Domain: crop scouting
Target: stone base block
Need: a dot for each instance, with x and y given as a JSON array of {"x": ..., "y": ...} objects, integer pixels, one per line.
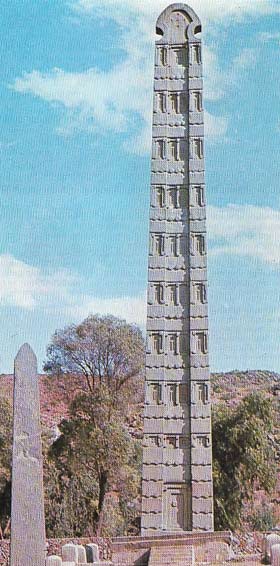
[{"x": 207, "y": 548}]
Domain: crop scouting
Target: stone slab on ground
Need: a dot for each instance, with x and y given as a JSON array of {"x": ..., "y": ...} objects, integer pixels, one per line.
[
  {"x": 275, "y": 555},
  {"x": 181, "y": 556},
  {"x": 70, "y": 553},
  {"x": 92, "y": 552}
]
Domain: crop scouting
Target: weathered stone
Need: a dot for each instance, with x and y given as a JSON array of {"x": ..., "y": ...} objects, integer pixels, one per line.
[
  {"x": 202, "y": 473},
  {"x": 70, "y": 552},
  {"x": 275, "y": 554},
  {"x": 202, "y": 489},
  {"x": 202, "y": 505},
  {"x": 202, "y": 521},
  {"x": 28, "y": 544},
  {"x": 271, "y": 539},
  {"x": 151, "y": 488},
  {"x": 151, "y": 505},
  {"x": 177, "y": 423},
  {"x": 152, "y": 520},
  {"x": 54, "y": 561},
  {"x": 92, "y": 552},
  {"x": 81, "y": 553}
]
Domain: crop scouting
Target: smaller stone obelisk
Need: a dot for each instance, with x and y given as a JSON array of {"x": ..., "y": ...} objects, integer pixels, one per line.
[{"x": 28, "y": 542}]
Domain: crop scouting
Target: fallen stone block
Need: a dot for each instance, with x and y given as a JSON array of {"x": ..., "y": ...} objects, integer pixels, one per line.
[
  {"x": 92, "y": 553},
  {"x": 270, "y": 539},
  {"x": 82, "y": 558},
  {"x": 275, "y": 555},
  {"x": 70, "y": 553}
]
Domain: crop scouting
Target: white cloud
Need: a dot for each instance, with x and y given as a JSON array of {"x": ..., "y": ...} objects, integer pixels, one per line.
[
  {"x": 267, "y": 36},
  {"x": 215, "y": 127},
  {"x": 96, "y": 100},
  {"x": 220, "y": 10},
  {"x": 28, "y": 287},
  {"x": 247, "y": 230},
  {"x": 246, "y": 59},
  {"x": 132, "y": 309}
]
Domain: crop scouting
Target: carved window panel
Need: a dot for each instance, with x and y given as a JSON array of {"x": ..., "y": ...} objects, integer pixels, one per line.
[
  {"x": 158, "y": 241},
  {"x": 153, "y": 441},
  {"x": 179, "y": 56},
  {"x": 159, "y": 149},
  {"x": 183, "y": 394},
  {"x": 174, "y": 103},
  {"x": 157, "y": 342},
  {"x": 197, "y": 148},
  {"x": 196, "y": 54},
  {"x": 174, "y": 343},
  {"x": 183, "y": 442},
  {"x": 198, "y": 241},
  {"x": 199, "y": 293},
  {"x": 173, "y": 294},
  {"x": 155, "y": 393},
  {"x": 171, "y": 441},
  {"x": 160, "y": 196},
  {"x": 172, "y": 393},
  {"x": 161, "y": 102},
  {"x": 203, "y": 393},
  {"x": 197, "y": 101},
  {"x": 173, "y": 197},
  {"x": 199, "y": 199},
  {"x": 161, "y": 56},
  {"x": 202, "y": 441},
  {"x": 174, "y": 149},
  {"x": 159, "y": 294},
  {"x": 174, "y": 245},
  {"x": 201, "y": 346}
]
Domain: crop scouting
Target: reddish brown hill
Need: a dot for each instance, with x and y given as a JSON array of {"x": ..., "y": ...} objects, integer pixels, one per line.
[{"x": 55, "y": 395}]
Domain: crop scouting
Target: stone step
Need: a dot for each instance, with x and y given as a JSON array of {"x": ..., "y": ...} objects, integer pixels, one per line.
[{"x": 170, "y": 556}]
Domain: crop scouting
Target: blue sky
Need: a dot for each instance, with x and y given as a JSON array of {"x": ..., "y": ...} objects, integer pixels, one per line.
[{"x": 75, "y": 135}]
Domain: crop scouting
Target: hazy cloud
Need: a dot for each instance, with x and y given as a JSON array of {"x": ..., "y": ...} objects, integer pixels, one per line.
[
  {"x": 245, "y": 230},
  {"x": 103, "y": 101}
]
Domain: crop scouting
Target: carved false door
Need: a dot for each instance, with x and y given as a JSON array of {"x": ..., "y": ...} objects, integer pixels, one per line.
[{"x": 177, "y": 508}]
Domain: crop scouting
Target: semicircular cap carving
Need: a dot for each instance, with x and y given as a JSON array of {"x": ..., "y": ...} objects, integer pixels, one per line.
[{"x": 177, "y": 24}]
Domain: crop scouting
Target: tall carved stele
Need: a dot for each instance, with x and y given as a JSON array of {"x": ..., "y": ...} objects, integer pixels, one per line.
[
  {"x": 28, "y": 542},
  {"x": 177, "y": 465}
]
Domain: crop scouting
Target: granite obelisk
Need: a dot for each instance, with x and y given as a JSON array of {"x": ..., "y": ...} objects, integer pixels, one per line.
[
  {"x": 28, "y": 542},
  {"x": 177, "y": 462}
]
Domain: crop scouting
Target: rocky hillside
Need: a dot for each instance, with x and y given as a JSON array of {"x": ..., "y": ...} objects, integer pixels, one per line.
[{"x": 229, "y": 388}]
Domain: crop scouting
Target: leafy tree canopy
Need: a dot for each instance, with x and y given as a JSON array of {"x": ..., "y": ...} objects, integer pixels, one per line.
[
  {"x": 95, "y": 444},
  {"x": 103, "y": 349},
  {"x": 243, "y": 456},
  {"x": 5, "y": 463}
]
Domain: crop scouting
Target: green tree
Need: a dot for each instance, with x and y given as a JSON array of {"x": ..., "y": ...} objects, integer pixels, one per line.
[
  {"x": 101, "y": 349},
  {"x": 243, "y": 456},
  {"x": 95, "y": 454},
  {"x": 5, "y": 464},
  {"x": 95, "y": 445}
]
